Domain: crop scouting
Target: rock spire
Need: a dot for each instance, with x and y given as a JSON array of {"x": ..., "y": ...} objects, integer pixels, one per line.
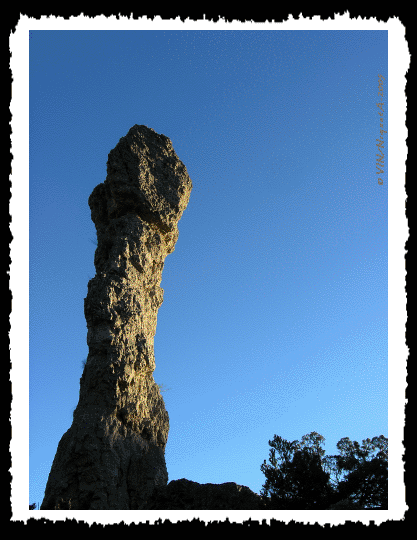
[{"x": 113, "y": 455}]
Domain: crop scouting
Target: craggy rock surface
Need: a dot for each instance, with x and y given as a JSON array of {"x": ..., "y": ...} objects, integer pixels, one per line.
[
  {"x": 187, "y": 495},
  {"x": 113, "y": 455}
]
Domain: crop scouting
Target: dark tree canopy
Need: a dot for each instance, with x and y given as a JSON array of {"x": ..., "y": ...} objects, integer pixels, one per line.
[
  {"x": 365, "y": 482},
  {"x": 300, "y": 477}
]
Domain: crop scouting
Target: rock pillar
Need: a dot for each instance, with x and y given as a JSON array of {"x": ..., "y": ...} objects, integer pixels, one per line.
[{"x": 113, "y": 455}]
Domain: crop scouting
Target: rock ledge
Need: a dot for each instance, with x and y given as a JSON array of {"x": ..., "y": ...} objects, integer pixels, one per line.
[{"x": 188, "y": 495}]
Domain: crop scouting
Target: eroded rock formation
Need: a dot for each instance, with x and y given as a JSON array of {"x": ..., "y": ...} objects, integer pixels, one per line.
[
  {"x": 113, "y": 455},
  {"x": 187, "y": 495}
]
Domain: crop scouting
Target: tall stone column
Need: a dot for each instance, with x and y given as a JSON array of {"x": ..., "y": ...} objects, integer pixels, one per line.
[{"x": 113, "y": 455}]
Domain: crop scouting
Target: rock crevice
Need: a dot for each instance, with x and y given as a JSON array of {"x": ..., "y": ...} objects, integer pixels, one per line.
[{"x": 113, "y": 455}]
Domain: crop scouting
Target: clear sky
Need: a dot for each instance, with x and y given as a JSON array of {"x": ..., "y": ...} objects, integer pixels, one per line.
[{"x": 275, "y": 312}]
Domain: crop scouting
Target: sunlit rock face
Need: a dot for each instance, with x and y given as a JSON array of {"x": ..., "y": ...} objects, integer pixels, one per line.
[{"x": 113, "y": 455}]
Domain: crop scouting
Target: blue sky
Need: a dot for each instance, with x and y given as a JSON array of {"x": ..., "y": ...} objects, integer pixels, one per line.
[{"x": 275, "y": 312}]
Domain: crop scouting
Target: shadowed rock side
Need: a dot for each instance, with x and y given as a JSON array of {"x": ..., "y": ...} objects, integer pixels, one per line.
[
  {"x": 113, "y": 455},
  {"x": 187, "y": 495}
]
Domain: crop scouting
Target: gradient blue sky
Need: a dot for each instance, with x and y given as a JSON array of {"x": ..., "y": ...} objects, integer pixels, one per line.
[{"x": 275, "y": 312}]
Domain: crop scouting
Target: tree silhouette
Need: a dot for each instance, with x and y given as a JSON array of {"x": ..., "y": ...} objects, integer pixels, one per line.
[
  {"x": 295, "y": 479},
  {"x": 365, "y": 472},
  {"x": 301, "y": 477}
]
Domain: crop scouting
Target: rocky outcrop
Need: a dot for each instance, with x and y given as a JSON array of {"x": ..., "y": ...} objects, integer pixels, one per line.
[
  {"x": 187, "y": 495},
  {"x": 113, "y": 455}
]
